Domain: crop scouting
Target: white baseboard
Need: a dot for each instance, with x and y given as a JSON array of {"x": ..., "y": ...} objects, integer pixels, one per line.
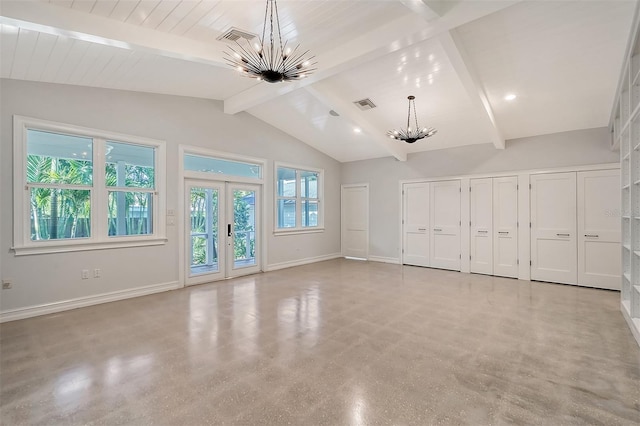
[
  {"x": 300, "y": 262},
  {"x": 393, "y": 260},
  {"x": 80, "y": 302}
]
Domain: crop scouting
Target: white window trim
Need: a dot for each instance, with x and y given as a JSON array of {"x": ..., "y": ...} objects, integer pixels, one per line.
[
  {"x": 99, "y": 240},
  {"x": 298, "y": 229}
]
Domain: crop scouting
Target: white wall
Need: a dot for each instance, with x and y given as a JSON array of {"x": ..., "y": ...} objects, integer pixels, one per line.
[
  {"x": 50, "y": 278},
  {"x": 575, "y": 148}
]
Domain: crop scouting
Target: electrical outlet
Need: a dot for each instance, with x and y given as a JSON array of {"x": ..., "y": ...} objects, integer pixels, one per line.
[
  {"x": 7, "y": 284},
  {"x": 97, "y": 273},
  {"x": 85, "y": 274}
]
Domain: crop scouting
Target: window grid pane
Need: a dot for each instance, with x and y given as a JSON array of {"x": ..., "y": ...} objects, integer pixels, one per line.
[
  {"x": 130, "y": 213},
  {"x": 57, "y": 213},
  {"x": 129, "y": 165}
]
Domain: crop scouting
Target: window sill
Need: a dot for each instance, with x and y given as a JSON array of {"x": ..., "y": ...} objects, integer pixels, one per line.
[
  {"x": 102, "y": 245},
  {"x": 281, "y": 232}
]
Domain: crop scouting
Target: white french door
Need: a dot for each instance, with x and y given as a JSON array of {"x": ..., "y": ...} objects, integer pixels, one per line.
[
  {"x": 553, "y": 228},
  {"x": 415, "y": 224},
  {"x": 445, "y": 225},
  {"x": 481, "y": 224},
  {"x": 599, "y": 229},
  {"x": 505, "y": 226},
  {"x": 222, "y": 228}
]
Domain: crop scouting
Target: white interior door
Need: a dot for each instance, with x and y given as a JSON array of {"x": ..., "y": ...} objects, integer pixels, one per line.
[
  {"x": 355, "y": 221},
  {"x": 445, "y": 225},
  {"x": 481, "y": 224},
  {"x": 554, "y": 251},
  {"x": 415, "y": 224},
  {"x": 599, "y": 229},
  {"x": 243, "y": 229},
  {"x": 505, "y": 226}
]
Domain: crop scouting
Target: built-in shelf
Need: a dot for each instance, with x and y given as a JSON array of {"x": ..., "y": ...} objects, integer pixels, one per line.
[{"x": 625, "y": 129}]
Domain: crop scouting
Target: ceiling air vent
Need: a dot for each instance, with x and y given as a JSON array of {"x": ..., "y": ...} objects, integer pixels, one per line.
[
  {"x": 365, "y": 104},
  {"x": 235, "y": 34}
]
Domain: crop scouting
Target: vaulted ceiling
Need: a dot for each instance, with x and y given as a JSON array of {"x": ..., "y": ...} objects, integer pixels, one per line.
[{"x": 460, "y": 58}]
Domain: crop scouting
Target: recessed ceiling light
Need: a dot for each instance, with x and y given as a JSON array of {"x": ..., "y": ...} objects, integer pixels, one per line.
[
  {"x": 510, "y": 97},
  {"x": 357, "y": 130}
]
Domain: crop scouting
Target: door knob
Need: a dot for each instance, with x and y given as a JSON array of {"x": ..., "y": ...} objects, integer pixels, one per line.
[{"x": 228, "y": 230}]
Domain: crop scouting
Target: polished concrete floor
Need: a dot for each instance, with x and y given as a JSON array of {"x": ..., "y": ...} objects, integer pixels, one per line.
[{"x": 336, "y": 343}]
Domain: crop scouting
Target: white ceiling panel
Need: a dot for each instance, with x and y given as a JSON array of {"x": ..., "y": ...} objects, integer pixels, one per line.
[
  {"x": 561, "y": 58},
  {"x": 303, "y": 116},
  {"x": 459, "y": 58},
  {"x": 424, "y": 71},
  {"x": 30, "y": 55}
]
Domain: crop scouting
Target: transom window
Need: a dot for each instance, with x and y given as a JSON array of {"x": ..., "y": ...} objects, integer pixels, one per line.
[
  {"x": 78, "y": 187},
  {"x": 298, "y": 198}
]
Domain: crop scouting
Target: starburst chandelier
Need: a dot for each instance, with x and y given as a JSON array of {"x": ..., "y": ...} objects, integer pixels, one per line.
[
  {"x": 410, "y": 135},
  {"x": 272, "y": 61}
]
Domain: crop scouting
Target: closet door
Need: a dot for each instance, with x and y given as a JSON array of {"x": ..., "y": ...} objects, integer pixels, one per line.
[
  {"x": 505, "y": 226},
  {"x": 355, "y": 220},
  {"x": 599, "y": 229},
  {"x": 554, "y": 251},
  {"x": 481, "y": 224},
  {"x": 415, "y": 224},
  {"x": 445, "y": 225}
]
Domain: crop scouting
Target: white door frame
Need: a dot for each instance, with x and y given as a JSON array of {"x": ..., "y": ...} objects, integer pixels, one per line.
[
  {"x": 342, "y": 214},
  {"x": 178, "y": 214}
]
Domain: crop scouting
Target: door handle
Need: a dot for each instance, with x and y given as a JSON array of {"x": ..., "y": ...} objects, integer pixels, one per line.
[
  {"x": 591, "y": 236},
  {"x": 437, "y": 229},
  {"x": 563, "y": 235},
  {"x": 422, "y": 229},
  {"x": 228, "y": 230},
  {"x": 482, "y": 232},
  {"x": 503, "y": 232}
]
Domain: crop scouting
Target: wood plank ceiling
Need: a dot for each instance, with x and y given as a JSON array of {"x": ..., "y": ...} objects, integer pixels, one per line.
[{"x": 459, "y": 59}]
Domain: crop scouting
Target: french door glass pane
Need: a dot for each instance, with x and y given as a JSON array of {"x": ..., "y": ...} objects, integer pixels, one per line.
[
  {"x": 60, "y": 213},
  {"x": 244, "y": 228},
  {"x": 204, "y": 212},
  {"x": 130, "y": 213}
]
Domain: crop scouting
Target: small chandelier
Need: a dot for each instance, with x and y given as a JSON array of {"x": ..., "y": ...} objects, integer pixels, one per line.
[
  {"x": 272, "y": 62},
  {"x": 411, "y": 135}
]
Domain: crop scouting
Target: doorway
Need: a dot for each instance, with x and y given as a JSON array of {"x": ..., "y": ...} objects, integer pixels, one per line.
[{"x": 222, "y": 230}]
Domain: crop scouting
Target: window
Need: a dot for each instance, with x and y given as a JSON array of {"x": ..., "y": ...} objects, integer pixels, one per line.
[
  {"x": 78, "y": 188},
  {"x": 298, "y": 198}
]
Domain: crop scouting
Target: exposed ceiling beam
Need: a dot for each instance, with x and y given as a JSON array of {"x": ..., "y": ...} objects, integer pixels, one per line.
[
  {"x": 60, "y": 21},
  {"x": 380, "y": 41},
  {"x": 347, "y": 110},
  {"x": 461, "y": 64},
  {"x": 421, "y": 8}
]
